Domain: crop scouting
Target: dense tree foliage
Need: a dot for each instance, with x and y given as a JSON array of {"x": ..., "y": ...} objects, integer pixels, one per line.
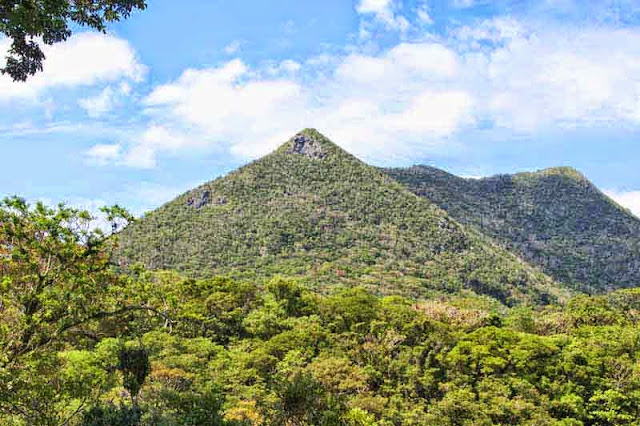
[
  {"x": 84, "y": 346},
  {"x": 312, "y": 210},
  {"x": 555, "y": 219},
  {"x": 55, "y": 282},
  {"x": 29, "y": 22},
  {"x": 241, "y": 354}
]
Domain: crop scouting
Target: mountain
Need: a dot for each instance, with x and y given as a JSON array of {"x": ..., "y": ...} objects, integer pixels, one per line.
[
  {"x": 312, "y": 210},
  {"x": 555, "y": 219}
]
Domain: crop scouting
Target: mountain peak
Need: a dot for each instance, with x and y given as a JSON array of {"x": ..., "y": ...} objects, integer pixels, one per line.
[
  {"x": 567, "y": 172},
  {"x": 553, "y": 218},
  {"x": 312, "y": 210},
  {"x": 309, "y": 143}
]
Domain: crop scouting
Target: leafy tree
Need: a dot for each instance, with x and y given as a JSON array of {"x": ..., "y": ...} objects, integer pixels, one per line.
[
  {"x": 56, "y": 283},
  {"x": 56, "y": 275},
  {"x": 135, "y": 367},
  {"x": 112, "y": 415},
  {"x": 224, "y": 352},
  {"x": 303, "y": 401},
  {"x": 26, "y": 22}
]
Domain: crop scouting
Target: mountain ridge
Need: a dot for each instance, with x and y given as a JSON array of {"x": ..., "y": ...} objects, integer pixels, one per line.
[
  {"x": 554, "y": 218},
  {"x": 310, "y": 209}
]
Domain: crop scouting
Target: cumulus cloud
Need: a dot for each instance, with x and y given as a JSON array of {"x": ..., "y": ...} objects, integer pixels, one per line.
[
  {"x": 99, "y": 104},
  {"x": 559, "y": 77},
  {"x": 84, "y": 59},
  {"x": 411, "y": 99},
  {"x": 103, "y": 153},
  {"x": 106, "y": 100},
  {"x": 143, "y": 152},
  {"x": 374, "y": 6},
  {"x": 154, "y": 140},
  {"x": 628, "y": 199},
  {"x": 497, "y": 30},
  {"x": 227, "y": 104},
  {"x": 383, "y": 11},
  {"x": 376, "y": 106}
]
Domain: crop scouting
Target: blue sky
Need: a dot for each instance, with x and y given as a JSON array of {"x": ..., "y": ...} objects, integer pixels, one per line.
[{"x": 186, "y": 91}]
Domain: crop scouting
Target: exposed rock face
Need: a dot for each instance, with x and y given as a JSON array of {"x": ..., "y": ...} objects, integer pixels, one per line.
[
  {"x": 204, "y": 199},
  {"x": 307, "y": 146},
  {"x": 200, "y": 201}
]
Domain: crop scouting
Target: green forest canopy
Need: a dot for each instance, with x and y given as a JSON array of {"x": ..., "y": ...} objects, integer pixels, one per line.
[{"x": 156, "y": 348}]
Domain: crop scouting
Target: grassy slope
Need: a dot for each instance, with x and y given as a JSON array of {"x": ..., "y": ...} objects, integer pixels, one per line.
[
  {"x": 329, "y": 220},
  {"x": 554, "y": 218}
]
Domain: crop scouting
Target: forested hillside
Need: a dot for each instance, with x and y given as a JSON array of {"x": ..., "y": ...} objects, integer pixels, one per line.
[
  {"x": 555, "y": 219},
  {"x": 312, "y": 210},
  {"x": 83, "y": 346}
]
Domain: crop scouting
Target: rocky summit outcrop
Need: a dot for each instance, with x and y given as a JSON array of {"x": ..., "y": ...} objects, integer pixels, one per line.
[{"x": 305, "y": 144}]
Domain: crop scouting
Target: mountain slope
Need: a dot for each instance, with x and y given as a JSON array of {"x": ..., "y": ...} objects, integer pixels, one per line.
[
  {"x": 310, "y": 209},
  {"x": 554, "y": 218}
]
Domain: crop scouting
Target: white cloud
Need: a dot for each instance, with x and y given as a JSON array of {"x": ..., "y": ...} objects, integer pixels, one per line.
[
  {"x": 228, "y": 104},
  {"x": 154, "y": 140},
  {"x": 103, "y": 153},
  {"x": 538, "y": 78},
  {"x": 494, "y": 30},
  {"x": 628, "y": 199},
  {"x": 383, "y": 11},
  {"x": 143, "y": 152},
  {"x": 232, "y": 47},
  {"x": 100, "y": 104},
  {"x": 83, "y": 60},
  {"x": 411, "y": 99},
  {"x": 368, "y": 103},
  {"x": 374, "y": 6}
]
